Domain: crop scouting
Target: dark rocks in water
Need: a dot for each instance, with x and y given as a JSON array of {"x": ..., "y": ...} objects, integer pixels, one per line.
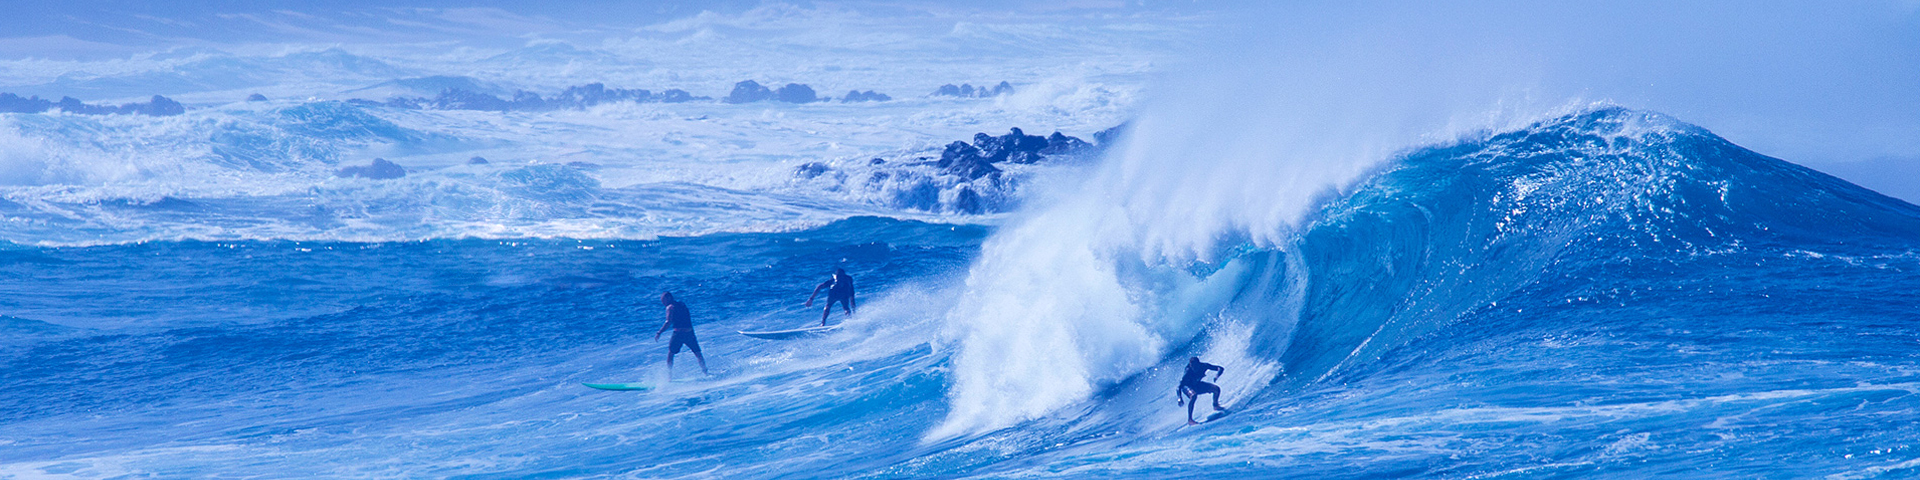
[
  {"x": 1058, "y": 144},
  {"x": 73, "y": 105},
  {"x": 676, "y": 95},
  {"x": 525, "y": 100},
  {"x": 967, "y": 201},
  {"x": 966, "y": 161},
  {"x": 477, "y": 161},
  {"x": 866, "y": 96},
  {"x": 256, "y": 98},
  {"x": 380, "y": 169},
  {"x": 1110, "y": 135},
  {"x": 10, "y": 103},
  {"x": 1016, "y": 147},
  {"x": 597, "y": 93},
  {"x": 796, "y": 93},
  {"x": 457, "y": 99},
  {"x": 955, "y": 151},
  {"x": 988, "y": 145},
  {"x": 748, "y": 91},
  {"x": 575, "y": 97},
  {"x": 976, "y": 159},
  {"x": 969, "y": 91},
  {"x": 810, "y": 170},
  {"x": 157, "y": 106},
  {"x": 967, "y": 178}
]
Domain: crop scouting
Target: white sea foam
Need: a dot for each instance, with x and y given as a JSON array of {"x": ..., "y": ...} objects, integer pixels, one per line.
[
  {"x": 270, "y": 166},
  {"x": 1238, "y": 146}
]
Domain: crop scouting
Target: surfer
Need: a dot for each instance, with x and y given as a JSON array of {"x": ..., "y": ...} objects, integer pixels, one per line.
[
  {"x": 1192, "y": 385},
  {"x": 682, "y": 324},
  {"x": 839, "y": 289}
]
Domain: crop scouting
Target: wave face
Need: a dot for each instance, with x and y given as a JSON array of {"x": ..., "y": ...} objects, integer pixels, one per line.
[
  {"x": 1606, "y": 293},
  {"x": 1602, "y": 293}
]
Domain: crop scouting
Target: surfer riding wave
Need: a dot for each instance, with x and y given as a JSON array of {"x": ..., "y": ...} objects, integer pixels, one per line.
[
  {"x": 1193, "y": 383},
  {"x": 839, "y": 289}
]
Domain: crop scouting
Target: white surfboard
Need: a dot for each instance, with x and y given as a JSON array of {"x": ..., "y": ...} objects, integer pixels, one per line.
[{"x": 792, "y": 334}]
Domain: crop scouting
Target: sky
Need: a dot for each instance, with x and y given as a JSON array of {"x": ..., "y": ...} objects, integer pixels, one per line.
[{"x": 96, "y": 28}]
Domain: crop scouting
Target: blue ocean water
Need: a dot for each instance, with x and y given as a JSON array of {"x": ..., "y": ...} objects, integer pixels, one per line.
[{"x": 1608, "y": 293}]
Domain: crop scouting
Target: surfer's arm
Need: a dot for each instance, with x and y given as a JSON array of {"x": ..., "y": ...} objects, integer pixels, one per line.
[
  {"x": 664, "y": 325},
  {"x": 816, "y": 291}
]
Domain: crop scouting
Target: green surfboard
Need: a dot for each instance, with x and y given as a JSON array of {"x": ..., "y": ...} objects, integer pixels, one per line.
[{"x": 620, "y": 386}]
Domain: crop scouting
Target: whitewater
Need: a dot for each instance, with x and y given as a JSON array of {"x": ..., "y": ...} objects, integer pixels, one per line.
[{"x": 1486, "y": 273}]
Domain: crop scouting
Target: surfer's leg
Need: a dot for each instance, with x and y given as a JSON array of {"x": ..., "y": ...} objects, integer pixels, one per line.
[
  {"x": 1196, "y": 399},
  {"x": 673, "y": 348},
  {"x": 824, "y": 312},
  {"x": 1215, "y": 390},
  {"x": 693, "y": 344}
]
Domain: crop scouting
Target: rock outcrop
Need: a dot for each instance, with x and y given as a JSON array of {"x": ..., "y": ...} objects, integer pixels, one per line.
[
  {"x": 969, "y": 91},
  {"x": 866, "y": 96},
  {"x": 981, "y": 176},
  {"x": 749, "y": 91},
  {"x": 975, "y": 160},
  {"x": 157, "y": 106},
  {"x": 796, "y": 93},
  {"x": 575, "y": 97},
  {"x": 380, "y": 169}
]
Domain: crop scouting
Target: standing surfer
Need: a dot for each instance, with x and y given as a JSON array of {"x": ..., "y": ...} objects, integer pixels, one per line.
[
  {"x": 1192, "y": 384},
  {"x": 839, "y": 289},
  {"x": 682, "y": 324}
]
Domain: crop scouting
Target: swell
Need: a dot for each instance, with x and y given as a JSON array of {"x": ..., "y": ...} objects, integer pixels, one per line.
[
  {"x": 1450, "y": 232},
  {"x": 1498, "y": 222}
]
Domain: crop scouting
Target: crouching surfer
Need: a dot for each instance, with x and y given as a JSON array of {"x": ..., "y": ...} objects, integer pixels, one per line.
[
  {"x": 839, "y": 289},
  {"x": 682, "y": 324},
  {"x": 1192, "y": 384}
]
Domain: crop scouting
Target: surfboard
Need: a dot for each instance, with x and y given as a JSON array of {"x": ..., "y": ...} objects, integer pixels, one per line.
[
  {"x": 620, "y": 386},
  {"x": 791, "y": 334}
]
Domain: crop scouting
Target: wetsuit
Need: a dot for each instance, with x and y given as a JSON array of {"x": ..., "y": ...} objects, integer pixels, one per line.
[
  {"x": 839, "y": 289},
  {"x": 682, "y": 329},
  {"x": 1191, "y": 381}
]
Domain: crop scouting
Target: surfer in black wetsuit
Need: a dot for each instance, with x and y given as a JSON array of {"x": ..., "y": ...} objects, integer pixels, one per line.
[
  {"x": 839, "y": 289},
  {"x": 682, "y": 324},
  {"x": 1191, "y": 386}
]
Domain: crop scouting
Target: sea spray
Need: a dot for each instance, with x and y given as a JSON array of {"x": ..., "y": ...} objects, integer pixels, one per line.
[{"x": 1236, "y": 150}]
